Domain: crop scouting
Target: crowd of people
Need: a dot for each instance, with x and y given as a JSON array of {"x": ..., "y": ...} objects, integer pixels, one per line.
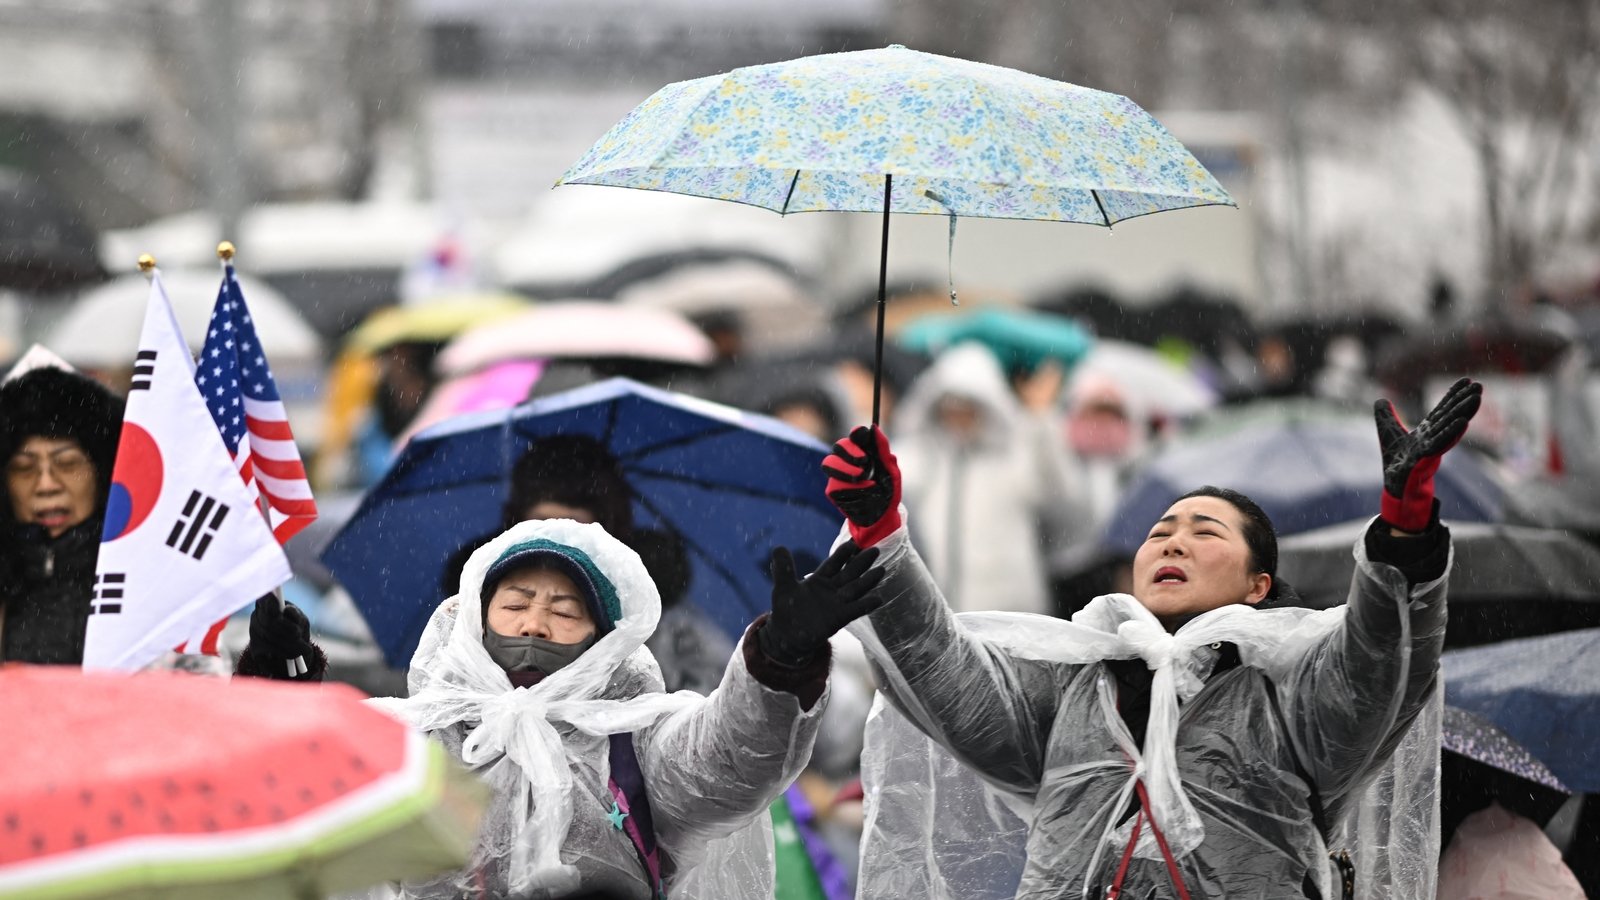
[{"x": 1167, "y": 723}]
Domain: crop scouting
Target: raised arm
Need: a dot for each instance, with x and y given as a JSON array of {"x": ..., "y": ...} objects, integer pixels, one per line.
[
  {"x": 713, "y": 766},
  {"x": 1351, "y": 699},
  {"x": 991, "y": 710}
]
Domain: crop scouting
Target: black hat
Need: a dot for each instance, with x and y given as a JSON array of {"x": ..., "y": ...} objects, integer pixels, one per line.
[{"x": 55, "y": 403}]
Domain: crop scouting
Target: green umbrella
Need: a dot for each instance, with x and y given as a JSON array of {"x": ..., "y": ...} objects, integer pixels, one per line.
[
  {"x": 1021, "y": 339},
  {"x": 901, "y": 131}
]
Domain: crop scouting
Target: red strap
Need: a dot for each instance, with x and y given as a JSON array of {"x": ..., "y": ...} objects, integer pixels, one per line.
[
  {"x": 1133, "y": 840},
  {"x": 1127, "y": 857}
]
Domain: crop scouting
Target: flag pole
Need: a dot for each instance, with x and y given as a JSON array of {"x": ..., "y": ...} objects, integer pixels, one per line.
[{"x": 296, "y": 666}]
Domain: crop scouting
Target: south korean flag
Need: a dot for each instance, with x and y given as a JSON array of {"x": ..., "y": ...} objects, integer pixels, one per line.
[{"x": 183, "y": 544}]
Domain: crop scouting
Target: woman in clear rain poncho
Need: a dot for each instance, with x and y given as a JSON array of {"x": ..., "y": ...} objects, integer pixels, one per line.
[
  {"x": 535, "y": 675},
  {"x": 1187, "y": 741}
]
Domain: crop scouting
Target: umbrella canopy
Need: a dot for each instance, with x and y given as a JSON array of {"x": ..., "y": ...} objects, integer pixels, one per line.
[
  {"x": 1306, "y": 464},
  {"x": 820, "y": 132},
  {"x": 45, "y": 245},
  {"x": 579, "y": 329},
  {"x": 1479, "y": 347},
  {"x": 176, "y": 786},
  {"x": 1207, "y": 322},
  {"x": 731, "y": 485},
  {"x": 1482, "y": 764},
  {"x": 101, "y": 331},
  {"x": 901, "y": 131},
  {"x": 436, "y": 321},
  {"x": 1507, "y": 581},
  {"x": 1020, "y": 339},
  {"x": 1543, "y": 691},
  {"x": 1152, "y": 382}
]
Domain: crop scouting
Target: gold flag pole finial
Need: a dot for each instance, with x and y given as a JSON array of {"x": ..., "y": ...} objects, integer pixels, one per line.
[
  {"x": 147, "y": 263},
  {"x": 225, "y": 251}
]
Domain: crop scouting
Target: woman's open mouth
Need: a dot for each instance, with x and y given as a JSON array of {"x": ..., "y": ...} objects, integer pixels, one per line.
[{"x": 1170, "y": 575}]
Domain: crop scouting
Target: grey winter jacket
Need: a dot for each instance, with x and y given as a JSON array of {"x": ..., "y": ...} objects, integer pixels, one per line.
[{"x": 1267, "y": 765}]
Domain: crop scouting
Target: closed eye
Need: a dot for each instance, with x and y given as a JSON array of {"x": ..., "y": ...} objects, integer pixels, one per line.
[{"x": 1156, "y": 534}]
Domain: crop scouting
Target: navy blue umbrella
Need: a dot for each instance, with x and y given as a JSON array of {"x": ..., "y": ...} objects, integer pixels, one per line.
[
  {"x": 732, "y": 485},
  {"x": 1544, "y": 692},
  {"x": 1307, "y": 465}
]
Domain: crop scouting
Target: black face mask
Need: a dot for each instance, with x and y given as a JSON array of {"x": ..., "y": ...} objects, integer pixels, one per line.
[{"x": 526, "y": 653}]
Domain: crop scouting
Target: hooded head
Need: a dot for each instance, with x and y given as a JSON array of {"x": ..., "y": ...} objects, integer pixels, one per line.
[
  {"x": 604, "y": 588},
  {"x": 544, "y": 603},
  {"x": 51, "y": 411}
]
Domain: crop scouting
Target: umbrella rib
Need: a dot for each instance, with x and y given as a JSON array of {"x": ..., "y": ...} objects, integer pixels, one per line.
[
  {"x": 789, "y": 196},
  {"x": 720, "y": 487},
  {"x": 611, "y": 424},
  {"x": 1096, "y": 195},
  {"x": 681, "y": 441},
  {"x": 717, "y": 567}
]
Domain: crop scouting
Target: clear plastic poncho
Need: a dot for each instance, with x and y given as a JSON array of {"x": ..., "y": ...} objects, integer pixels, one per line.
[
  {"x": 534, "y": 745},
  {"x": 937, "y": 828}
]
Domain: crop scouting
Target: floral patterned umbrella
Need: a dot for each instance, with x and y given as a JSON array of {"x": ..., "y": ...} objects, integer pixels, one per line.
[{"x": 901, "y": 131}]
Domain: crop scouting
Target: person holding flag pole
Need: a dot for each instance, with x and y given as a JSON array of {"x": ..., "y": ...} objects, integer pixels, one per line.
[
  {"x": 178, "y": 550},
  {"x": 240, "y": 393}
]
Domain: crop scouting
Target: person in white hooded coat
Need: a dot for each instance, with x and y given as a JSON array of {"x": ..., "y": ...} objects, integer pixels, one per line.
[
  {"x": 989, "y": 475},
  {"x": 601, "y": 782}
]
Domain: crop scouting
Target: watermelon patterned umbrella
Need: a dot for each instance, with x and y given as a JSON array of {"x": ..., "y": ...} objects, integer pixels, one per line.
[
  {"x": 179, "y": 786},
  {"x": 901, "y": 131}
]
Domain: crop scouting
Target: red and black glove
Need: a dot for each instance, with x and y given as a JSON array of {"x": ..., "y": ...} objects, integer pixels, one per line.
[
  {"x": 1410, "y": 458},
  {"x": 864, "y": 483}
]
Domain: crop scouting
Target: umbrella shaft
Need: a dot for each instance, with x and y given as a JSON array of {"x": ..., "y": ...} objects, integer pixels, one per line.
[{"x": 883, "y": 291}]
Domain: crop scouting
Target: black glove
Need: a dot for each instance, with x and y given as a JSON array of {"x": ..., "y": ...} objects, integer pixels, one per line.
[
  {"x": 280, "y": 632},
  {"x": 805, "y": 613},
  {"x": 1410, "y": 458},
  {"x": 864, "y": 484}
]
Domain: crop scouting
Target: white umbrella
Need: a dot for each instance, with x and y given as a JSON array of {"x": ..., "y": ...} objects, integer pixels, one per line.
[
  {"x": 101, "y": 331},
  {"x": 773, "y": 308},
  {"x": 1151, "y": 381},
  {"x": 579, "y": 330}
]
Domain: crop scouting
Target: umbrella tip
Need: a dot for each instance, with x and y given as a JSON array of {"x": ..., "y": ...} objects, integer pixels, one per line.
[
  {"x": 225, "y": 251},
  {"x": 146, "y": 263}
]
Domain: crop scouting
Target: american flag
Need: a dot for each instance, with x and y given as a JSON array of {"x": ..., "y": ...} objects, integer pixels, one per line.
[{"x": 233, "y": 376}]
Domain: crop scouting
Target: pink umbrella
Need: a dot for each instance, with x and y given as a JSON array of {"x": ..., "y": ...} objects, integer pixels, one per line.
[
  {"x": 501, "y": 386},
  {"x": 579, "y": 329}
]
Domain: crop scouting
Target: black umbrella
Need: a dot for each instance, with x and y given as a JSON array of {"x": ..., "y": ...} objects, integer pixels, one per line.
[
  {"x": 1508, "y": 581},
  {"x": 45, "y": 244},
  {"x": 1476, "y": 347},
  {"x": 1482, "y": 764}
]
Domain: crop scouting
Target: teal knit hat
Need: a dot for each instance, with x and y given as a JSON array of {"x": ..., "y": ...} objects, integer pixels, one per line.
[{"x": 598, "y": 592}]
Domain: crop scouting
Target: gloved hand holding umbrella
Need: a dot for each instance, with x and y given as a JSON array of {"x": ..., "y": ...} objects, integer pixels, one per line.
[
  {"x": 864, "y": 483},
  {"x": 806, "y": 612},
  {"x": 1410, "y": 458}
]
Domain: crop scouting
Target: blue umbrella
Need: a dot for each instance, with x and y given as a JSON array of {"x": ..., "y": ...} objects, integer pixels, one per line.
[
  {"x": 732, "y": 485},
  {"x": 1544, "y": 692},
  {"x": 1306, "y": 465}
]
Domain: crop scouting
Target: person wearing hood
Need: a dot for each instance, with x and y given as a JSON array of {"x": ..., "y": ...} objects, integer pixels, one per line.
[
  {"x": 58, "y": 437},
  {"x": 1186, "y": 741},
  {"x": 535, "y": 675},
  {"x": 988, "y": 472}
]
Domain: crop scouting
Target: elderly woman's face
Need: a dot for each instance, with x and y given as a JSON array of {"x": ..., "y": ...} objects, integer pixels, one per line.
[
  {"x": 1196, "y": 560},
  {"x": 541, "y": 603},
  {"x": 52, "y": 484}
]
